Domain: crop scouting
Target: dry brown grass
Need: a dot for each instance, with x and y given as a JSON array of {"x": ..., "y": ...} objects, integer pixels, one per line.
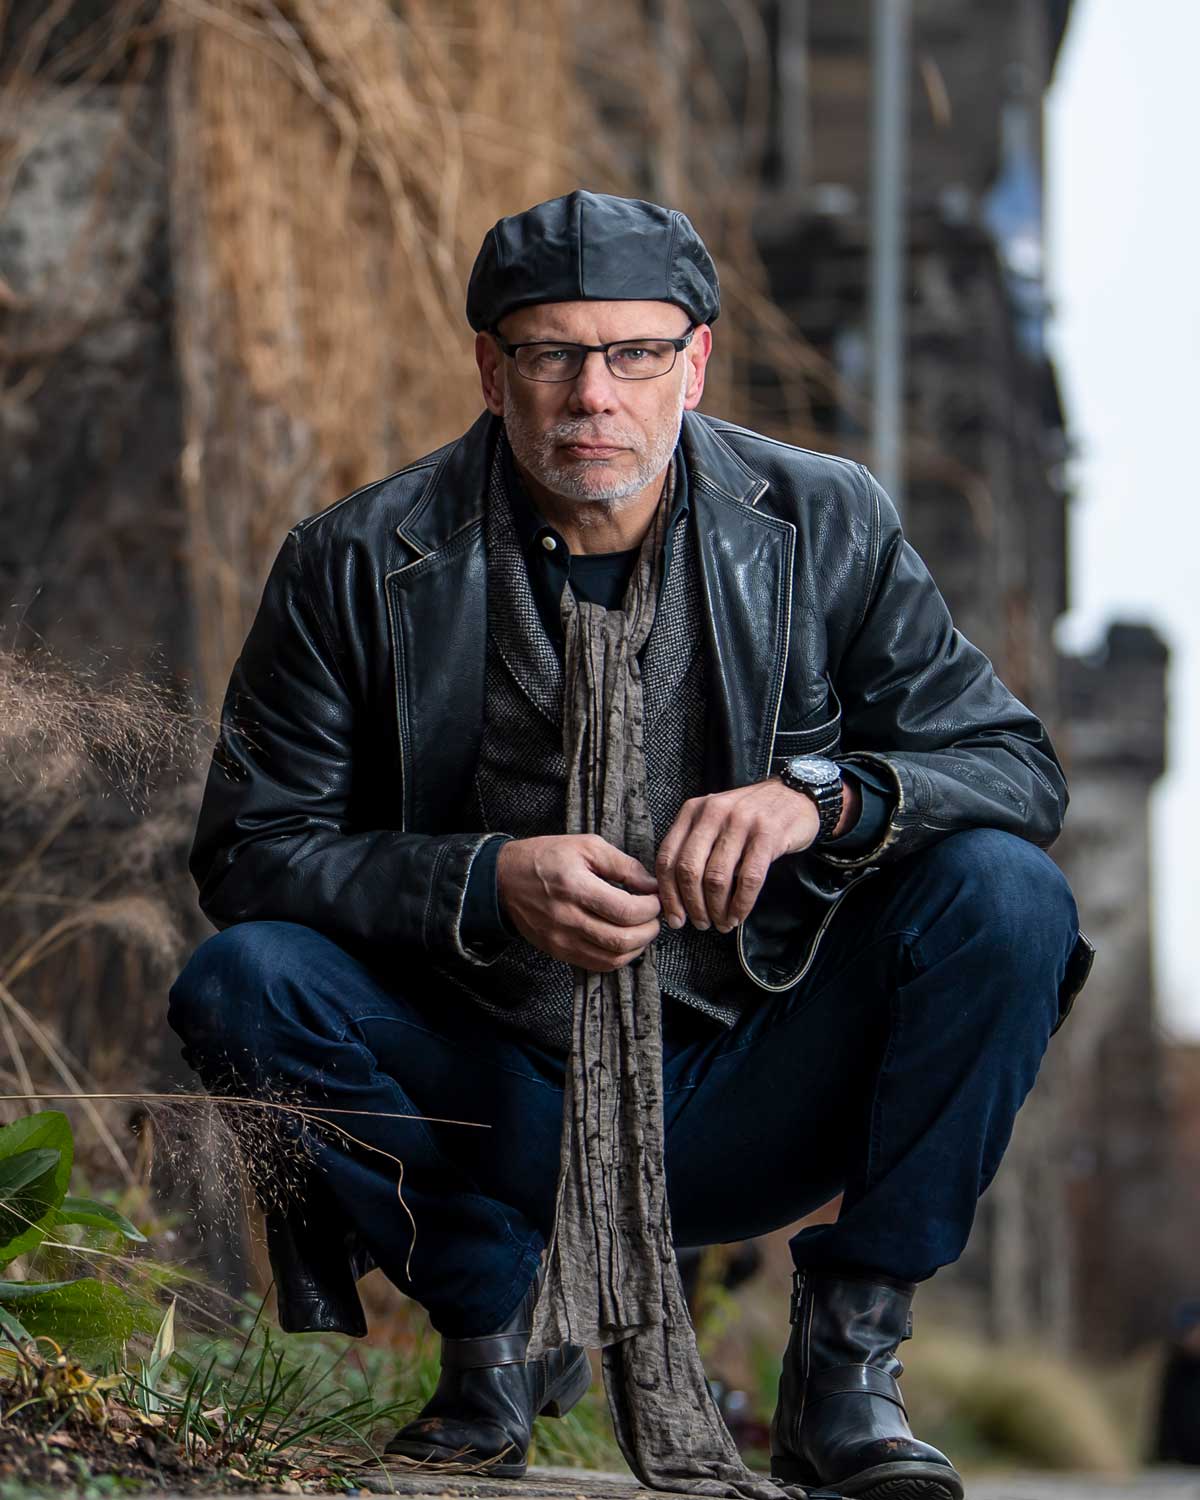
[
  {"x": 96, "y": 796},
  {"x": 335, "y": 170}
]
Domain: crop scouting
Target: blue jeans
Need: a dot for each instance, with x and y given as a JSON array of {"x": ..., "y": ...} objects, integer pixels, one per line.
[{"x": 892, "y": 1074}]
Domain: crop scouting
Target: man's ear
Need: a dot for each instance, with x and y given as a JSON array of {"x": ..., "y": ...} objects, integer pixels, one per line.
[
  {"x": 696, "y": 354},
  {"x": 488, "y": 357}
]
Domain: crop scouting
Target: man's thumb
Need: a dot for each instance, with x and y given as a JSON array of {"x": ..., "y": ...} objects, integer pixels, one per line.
[{"x": 615, "y": 865}]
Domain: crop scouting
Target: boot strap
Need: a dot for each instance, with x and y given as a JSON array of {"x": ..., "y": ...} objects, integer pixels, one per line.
[
  {"x": 848, "y": 1380},
  {"x": 477, "y": 1354}
]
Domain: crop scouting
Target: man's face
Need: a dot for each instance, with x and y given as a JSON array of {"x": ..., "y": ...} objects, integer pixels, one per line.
[{"x": 597, "y": 437}]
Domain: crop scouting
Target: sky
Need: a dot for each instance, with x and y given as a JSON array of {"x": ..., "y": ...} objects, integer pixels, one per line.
[{"x": 1123, "y": 244}]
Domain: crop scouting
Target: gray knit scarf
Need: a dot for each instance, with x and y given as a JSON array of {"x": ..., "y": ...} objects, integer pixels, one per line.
[{"x": 611, "y": 1280}]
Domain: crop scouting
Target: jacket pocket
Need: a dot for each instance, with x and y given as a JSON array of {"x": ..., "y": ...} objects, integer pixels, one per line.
[{"x": 777, "y": 942}]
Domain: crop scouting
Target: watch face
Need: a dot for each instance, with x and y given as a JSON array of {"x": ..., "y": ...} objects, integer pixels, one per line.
[{"x": 815, "y": 769}]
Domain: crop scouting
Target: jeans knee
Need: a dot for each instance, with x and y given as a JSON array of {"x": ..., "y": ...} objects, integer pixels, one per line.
[
  {"x": 1009, "y": 890},
  {"x": 1001, "y": 909},
  {"x": 219, "y": 994}
]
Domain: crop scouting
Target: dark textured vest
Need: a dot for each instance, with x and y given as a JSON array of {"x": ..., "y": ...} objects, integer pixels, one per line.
[{"x": 521, "y": 774}]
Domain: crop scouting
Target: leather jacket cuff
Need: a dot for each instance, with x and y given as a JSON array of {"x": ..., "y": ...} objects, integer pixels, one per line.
[
  {"x": 482, "y": 927},
  {"x": 875, "y": 808},
  {"x": 879, "y": 779},
  {"x": 483, "y": 933}
]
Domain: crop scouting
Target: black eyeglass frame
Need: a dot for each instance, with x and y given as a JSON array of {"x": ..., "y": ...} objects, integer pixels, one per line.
[{"x": 511, "y": 351}]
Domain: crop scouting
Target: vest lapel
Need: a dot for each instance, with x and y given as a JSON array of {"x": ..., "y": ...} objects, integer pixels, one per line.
[
  {"x": 514, "y": 621},
  {"x": 674, "y": 637}
]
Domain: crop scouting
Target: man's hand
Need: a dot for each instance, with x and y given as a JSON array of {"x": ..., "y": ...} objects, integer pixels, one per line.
[
  {"x": 712, "y": 863},
  {"x": 562, "y": 894}
]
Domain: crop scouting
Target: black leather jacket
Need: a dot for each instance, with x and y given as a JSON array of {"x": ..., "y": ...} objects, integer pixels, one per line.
[{"x": 352, "y": 722}]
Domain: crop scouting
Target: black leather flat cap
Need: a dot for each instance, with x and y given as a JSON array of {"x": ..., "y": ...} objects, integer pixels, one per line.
[{"x": 590, "y": 246}]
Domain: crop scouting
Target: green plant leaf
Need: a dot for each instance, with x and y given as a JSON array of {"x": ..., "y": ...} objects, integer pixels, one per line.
[
  {"x": 25, "y": 1291},
  {"x": 20, "y": 1170},
  {"x": 160, "y": 1358},
  {"x": 164, "y": 1339},
  {"x": 97, "y": 1216},
  {"x": 27, "y": 1212},
  {"x": 14, "y": 1331},
  {"x": 87, "y": 1318}
]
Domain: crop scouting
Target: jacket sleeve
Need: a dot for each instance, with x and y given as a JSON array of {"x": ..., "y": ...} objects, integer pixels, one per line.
[
  {"x": 924, "y": 707},
  {"x": 276, "y": 839}
]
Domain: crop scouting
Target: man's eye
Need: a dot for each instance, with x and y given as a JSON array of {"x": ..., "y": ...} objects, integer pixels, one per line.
[{"x": 547, "y": 358}]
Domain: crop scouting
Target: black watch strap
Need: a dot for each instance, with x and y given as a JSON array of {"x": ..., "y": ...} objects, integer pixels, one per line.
[{"x": 821, "y": 780}]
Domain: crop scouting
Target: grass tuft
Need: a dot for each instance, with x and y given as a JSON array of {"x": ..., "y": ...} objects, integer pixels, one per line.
[{"x": 1010, "y": 1406}]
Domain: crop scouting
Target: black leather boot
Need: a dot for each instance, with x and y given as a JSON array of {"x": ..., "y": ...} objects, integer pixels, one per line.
[
  {"x": 480, "y": 1417},
  {"x": 841, "y": 1420}
]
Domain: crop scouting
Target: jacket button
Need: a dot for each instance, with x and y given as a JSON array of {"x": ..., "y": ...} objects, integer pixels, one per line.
[{"x": 548, "y": 543}]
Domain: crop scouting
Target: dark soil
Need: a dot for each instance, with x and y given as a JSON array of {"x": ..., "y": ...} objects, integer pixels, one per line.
[{"x": 36, "y": 1448}]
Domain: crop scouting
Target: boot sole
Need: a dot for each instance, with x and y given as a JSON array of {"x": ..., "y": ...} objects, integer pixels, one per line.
[
  {"x": 899, "y": 1481},
  {"x": 572, "y": 1388}
]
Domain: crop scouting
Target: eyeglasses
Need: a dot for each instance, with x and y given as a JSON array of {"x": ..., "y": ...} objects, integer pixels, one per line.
[{"x": 628, "y": 359}]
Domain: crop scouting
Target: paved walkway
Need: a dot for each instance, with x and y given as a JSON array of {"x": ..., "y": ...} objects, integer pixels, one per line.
[
  {"x": 583, "y": 1484},
  {"x": 1173, "y": 1485}
]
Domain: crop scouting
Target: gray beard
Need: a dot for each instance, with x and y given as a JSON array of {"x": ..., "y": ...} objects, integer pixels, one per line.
[{"x": 535, "y": 451}]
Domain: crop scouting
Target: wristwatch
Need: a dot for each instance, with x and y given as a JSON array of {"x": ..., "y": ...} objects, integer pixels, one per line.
[{"x": 820, "y": 779}]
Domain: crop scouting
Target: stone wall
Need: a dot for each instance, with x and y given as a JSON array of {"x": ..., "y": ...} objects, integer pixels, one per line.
[
  {"x": 1128, "y": 1259},
  {"x": 89, "y": 519}
]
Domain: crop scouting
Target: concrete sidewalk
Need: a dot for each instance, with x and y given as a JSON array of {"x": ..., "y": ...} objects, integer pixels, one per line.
[
  {"x": 1178, "y": 1484},
  {"x": 585, "y": 1484}
]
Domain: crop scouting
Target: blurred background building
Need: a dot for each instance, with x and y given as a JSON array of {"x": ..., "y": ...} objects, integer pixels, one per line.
[{"x": 233, "y": 245}]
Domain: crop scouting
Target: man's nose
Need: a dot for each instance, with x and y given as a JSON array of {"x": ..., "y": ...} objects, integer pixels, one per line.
[{"x": 594, "y": 389}]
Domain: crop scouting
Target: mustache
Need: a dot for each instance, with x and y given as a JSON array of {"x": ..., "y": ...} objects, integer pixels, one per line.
[{"x": 583, "y": 432}]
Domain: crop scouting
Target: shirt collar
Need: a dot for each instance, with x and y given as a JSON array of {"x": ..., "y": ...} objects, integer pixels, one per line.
[{"x": 532, "y": 527}]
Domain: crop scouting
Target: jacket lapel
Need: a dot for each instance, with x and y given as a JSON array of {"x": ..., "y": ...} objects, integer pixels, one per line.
[
  {"x": 746, "y": 561},
  {"x": 437, "y": 616}
]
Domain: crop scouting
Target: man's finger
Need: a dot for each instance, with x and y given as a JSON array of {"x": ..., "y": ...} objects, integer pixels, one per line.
[
  {"x": 751, "y": 873},
  {"x": 622, "y": 908},
  {"x": 719, "y": 874},
  {"x": 617, "y": 940},
  {"x": 690, "y": 867},
  {"x": 621, "y": 868},
  {"x": 665, "y": 867},
  {"x": 598, "y": 962}
]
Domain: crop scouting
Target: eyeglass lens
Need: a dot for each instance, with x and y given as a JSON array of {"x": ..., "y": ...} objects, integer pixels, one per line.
[{"x": 632, "y": 361}]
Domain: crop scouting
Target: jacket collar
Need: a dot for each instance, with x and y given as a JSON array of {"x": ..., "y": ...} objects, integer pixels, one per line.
[
  {"x": 712, "y": 461},
  {"x": 453, "y": 496}
]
